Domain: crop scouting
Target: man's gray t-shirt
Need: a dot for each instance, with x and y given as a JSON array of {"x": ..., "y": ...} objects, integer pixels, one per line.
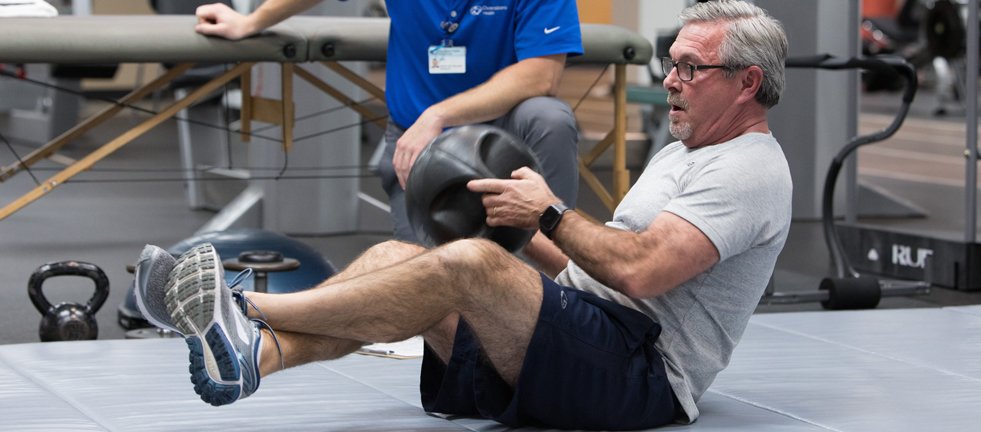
[{"x": 738, "y": 193}]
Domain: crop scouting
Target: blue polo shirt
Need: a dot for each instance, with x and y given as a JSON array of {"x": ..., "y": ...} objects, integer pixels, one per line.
[{"x": 496, "y": 34}]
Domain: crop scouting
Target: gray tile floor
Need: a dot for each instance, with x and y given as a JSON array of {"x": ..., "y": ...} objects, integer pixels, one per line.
[{"x": 787, "y": 375}]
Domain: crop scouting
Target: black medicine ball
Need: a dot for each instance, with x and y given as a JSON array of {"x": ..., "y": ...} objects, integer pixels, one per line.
[{"x": 439, "y": 205}]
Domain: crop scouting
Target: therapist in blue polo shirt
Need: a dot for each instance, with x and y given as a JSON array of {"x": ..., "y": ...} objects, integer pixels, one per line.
[{"x": 458, "y": 62}]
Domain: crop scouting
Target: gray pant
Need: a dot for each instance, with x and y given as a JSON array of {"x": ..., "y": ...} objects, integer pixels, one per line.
[{"x": 545, "y": 124}]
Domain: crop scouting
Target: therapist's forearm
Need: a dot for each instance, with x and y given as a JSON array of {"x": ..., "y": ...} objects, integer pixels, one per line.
[{"x": 275, "y": 11}]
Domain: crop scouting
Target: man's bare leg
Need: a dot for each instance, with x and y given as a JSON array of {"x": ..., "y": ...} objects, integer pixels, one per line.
[
  {"x": 498, "y": 295},
  {"x": 376, "y": 257},
  {"x": 439, "y": 337},
  {"x": 301, "y": 348}
]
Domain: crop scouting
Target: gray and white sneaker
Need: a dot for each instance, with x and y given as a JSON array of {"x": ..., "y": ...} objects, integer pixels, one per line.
[
  {"x": 224, "y": 343},
  {"x": 151, "y": 274}
]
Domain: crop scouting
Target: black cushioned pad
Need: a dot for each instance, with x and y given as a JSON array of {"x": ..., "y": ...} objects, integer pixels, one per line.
[
  {"x": 136, "y": 39},
  {"x": 171, "y": 39}
]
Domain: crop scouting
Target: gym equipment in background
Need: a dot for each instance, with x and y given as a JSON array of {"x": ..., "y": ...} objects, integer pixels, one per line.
[
  {"x": 261, "y": 262},
  {"x": 441, "y": 208},
  {"x": 930, "y": 34},
  {"x": 281, "y": 265},
  {"x": 68, "y": 321},
  {"x": 848, "y": 289}
]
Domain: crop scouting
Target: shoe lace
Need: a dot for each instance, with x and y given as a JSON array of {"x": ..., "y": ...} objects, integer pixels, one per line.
[
  {"x": 238, "y": 293},
  {"x": 241, "y": 277},
  {"x": 279, "y": 348}
]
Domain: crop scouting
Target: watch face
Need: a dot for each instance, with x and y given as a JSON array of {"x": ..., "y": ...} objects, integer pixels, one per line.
[{"x": 550, "y": 218}]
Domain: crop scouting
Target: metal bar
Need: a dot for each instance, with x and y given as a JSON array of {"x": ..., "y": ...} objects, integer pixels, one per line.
[
  {"x": 971, "y": 146},
  {"x": 123, "y": 139},
  {"x": 851, "y": 108},
  {"x": 899, "y": 288},
  {"x": 91, "y": 122},
  {"x": 794, "y": 298}
]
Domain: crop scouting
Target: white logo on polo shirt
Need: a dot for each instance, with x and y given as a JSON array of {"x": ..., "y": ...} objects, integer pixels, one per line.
[
  {"x": 552, "y": 30},
  {"x": 486, "y": 10}
]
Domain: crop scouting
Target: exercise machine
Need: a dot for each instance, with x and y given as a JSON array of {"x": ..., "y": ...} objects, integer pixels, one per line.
[{"x": 847, "y": 288}]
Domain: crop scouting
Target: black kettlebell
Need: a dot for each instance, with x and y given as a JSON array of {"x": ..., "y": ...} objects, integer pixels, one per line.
[{"x": 68, "y": 321}]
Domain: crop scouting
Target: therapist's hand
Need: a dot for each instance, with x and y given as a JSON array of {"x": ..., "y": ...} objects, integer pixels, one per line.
[
  {"x": 414, "y": 141},
  {"x": 218, "y": 19}
]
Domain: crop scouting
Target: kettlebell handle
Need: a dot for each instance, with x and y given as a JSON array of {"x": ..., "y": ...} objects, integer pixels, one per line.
[{"x": 68, "y": 268}]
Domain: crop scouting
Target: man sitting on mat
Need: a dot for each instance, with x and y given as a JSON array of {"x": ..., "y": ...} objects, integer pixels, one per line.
[
  {"x": 641, "y": 315},
  {"x": 452, "y": 63}
]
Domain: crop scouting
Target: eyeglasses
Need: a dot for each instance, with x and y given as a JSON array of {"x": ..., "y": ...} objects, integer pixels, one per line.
[{"x": 686, "y": 71}]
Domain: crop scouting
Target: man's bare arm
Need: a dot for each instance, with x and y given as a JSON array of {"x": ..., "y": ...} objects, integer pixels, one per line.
[{"x": 643, "y": 264}]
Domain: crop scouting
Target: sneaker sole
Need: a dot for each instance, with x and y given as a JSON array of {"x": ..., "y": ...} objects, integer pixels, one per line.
[{"x": 192, "y": 296}]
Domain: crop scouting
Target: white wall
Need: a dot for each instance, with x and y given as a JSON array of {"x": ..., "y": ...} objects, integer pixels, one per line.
[{"x": 657, "y": 18}]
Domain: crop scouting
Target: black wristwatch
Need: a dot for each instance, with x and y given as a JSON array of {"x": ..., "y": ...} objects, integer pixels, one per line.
[{"x": 550, "y": 218}]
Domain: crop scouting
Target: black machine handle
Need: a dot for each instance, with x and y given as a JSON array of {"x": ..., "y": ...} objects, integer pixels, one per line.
[
  {"x": 68, "y": 268},
  {"x": 887, "y": 64}
]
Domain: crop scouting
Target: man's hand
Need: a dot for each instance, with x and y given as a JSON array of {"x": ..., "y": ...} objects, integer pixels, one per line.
[
  {"x": 517, "y": 202},
  {"x": 413, "y": 141},
  {"x": 218, "y": 19}
]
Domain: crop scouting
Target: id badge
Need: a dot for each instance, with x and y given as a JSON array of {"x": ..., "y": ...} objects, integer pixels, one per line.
[{"x": 447, "y": 59}]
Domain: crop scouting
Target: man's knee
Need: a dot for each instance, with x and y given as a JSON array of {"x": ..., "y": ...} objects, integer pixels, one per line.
[
  {"x": 392, "y": 251},
  {"x": 397, "y": 246},
  {"x": 470, "y": 253},
  {"x": 485, "y": 265}
]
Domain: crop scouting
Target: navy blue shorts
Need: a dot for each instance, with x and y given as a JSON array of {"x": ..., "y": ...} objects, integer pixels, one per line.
[{"x": 591, "y": 364}]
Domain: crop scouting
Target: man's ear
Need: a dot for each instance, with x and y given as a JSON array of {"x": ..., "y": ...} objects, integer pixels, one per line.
[{"x": 751, "y": 80}]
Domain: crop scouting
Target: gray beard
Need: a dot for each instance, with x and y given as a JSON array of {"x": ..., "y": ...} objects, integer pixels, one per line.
[{"x": 680, "y": 130}]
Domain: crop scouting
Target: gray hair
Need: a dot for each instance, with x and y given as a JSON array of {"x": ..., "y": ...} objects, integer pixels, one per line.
[{"x": 753, "y": 37}]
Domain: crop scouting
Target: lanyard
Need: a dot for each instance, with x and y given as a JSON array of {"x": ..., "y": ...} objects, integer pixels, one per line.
[{"x": 452, "y": 23}]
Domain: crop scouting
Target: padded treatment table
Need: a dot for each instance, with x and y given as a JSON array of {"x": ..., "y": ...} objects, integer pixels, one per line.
[
  {"x": 889, "y": 370},
  {"x": 302, "y": 39}
]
